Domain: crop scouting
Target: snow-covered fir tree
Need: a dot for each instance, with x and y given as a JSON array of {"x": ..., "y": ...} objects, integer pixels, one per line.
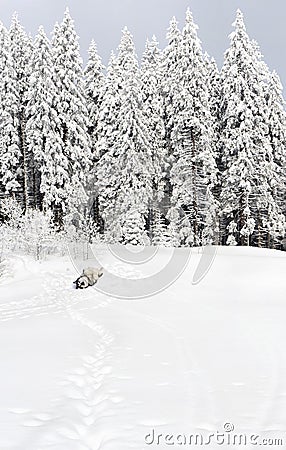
[
  {"x": 175, "y": 217},
  {"x": 213, "y": 76},
  {"x": 170, "y": 70},
  {"x": 94, "y": 85},
  {"x": 213, "y": 79},
  {"x": 21, "y": 49},
  {"x": 71, "y": 110},
  {"x": 276, "y": 120},
  {"x": 161, "y": 233},
  {"x": 107, "y": 122},
  {"x": 105, "y": 132},
  {"x": 151, "y": 75},
  {"x": 94, "y": 88},
  {"x": 251, "y": 213},
  {"x": 193, "y": 173},
  {"x": 125, "y": 171},
  {"x": 43, "y": 138},
  {"x": 10, "y": 153}
]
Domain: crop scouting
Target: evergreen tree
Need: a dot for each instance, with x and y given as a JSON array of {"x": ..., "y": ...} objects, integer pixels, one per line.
[
  {"x": 160, "y": 232},
  {"x": 175, "y": 217},
  {"x": 43, "y": 138},
  {"x": 21, "y": 49},
  {"x": 171, "y": 64},
  {"x": 193, "y": 173},
  {"x": 107, "y": 124},
  {"x": 213, "y": 80},
  {"x": 151, "y": 75},
  {"x": 94, "y": 93},
  {"x": 10, "y": 153},
  {"x": 214, "y": 87},
  {"x": 170, "y": 70},
  {"x": 276, "y": 120},
  {"x": 94, "y": 85},
  {"x": 251, "y": 214},
  {"x": 125, "y": 171},
  {"x": 105, "y": 132},
  {"x": 70, "y": 106}
]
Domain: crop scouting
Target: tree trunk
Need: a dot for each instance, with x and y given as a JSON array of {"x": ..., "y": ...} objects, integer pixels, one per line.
[
  {"x": 195, "y": 194},
  {"x": 25, "y": 165}
]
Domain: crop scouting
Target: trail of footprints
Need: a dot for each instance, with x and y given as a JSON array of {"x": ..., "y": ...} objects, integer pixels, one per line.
[
  {"x": 75, "y": 421},
  {"x": 84, "y": 405},
  {"x": 54, "y": 299}
]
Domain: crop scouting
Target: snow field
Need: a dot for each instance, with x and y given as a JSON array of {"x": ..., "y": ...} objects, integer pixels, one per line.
[{"x": 81, "y": 370}]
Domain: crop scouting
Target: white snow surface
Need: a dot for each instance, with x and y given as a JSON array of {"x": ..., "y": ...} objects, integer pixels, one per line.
[{"x": 81, "y": 370}]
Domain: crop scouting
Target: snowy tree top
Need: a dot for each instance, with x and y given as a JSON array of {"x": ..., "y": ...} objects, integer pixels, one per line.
[
  {"x": 152, "y": 53},
  {"x": 190, "y": 20},
  {"x": 41, "y": 32},
  {"x": 239, "y": 21},
  {"x": 173, "y": 33},
  {"x": 94, "y": 63},
  {"x": 16, "y": 26},
  {"x": 127, "y": 58},
  {"x": 2, "y": 27},
  {"x": 189, "y": 33}
]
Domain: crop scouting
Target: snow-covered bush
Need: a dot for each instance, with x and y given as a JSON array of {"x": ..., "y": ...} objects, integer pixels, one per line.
[
  {"x": 79, "y": 232},
  {"x": 38, "y": 236},
  {"x": 80, "y": 227},
  {"x": 12, "y": 220},
  {"x": 159, "y": 230},
  {"x": 31, "y": 232}
]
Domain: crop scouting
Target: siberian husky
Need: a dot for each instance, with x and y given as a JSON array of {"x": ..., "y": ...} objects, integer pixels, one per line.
[{"x": 89, "y": 277}]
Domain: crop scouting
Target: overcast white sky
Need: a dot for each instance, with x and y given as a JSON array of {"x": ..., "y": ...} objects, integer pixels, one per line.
[{"x": 103, "y": 20}]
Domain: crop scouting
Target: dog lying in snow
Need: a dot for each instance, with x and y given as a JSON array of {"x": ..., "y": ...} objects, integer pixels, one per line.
[{"x": 88, "y": 277}]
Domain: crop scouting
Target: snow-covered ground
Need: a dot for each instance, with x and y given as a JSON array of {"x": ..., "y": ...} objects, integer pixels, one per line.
[{"x": 82, "y": 370}]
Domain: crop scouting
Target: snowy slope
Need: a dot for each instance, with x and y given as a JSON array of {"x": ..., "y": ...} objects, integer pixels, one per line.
[{"x": 81, "y": 370}]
